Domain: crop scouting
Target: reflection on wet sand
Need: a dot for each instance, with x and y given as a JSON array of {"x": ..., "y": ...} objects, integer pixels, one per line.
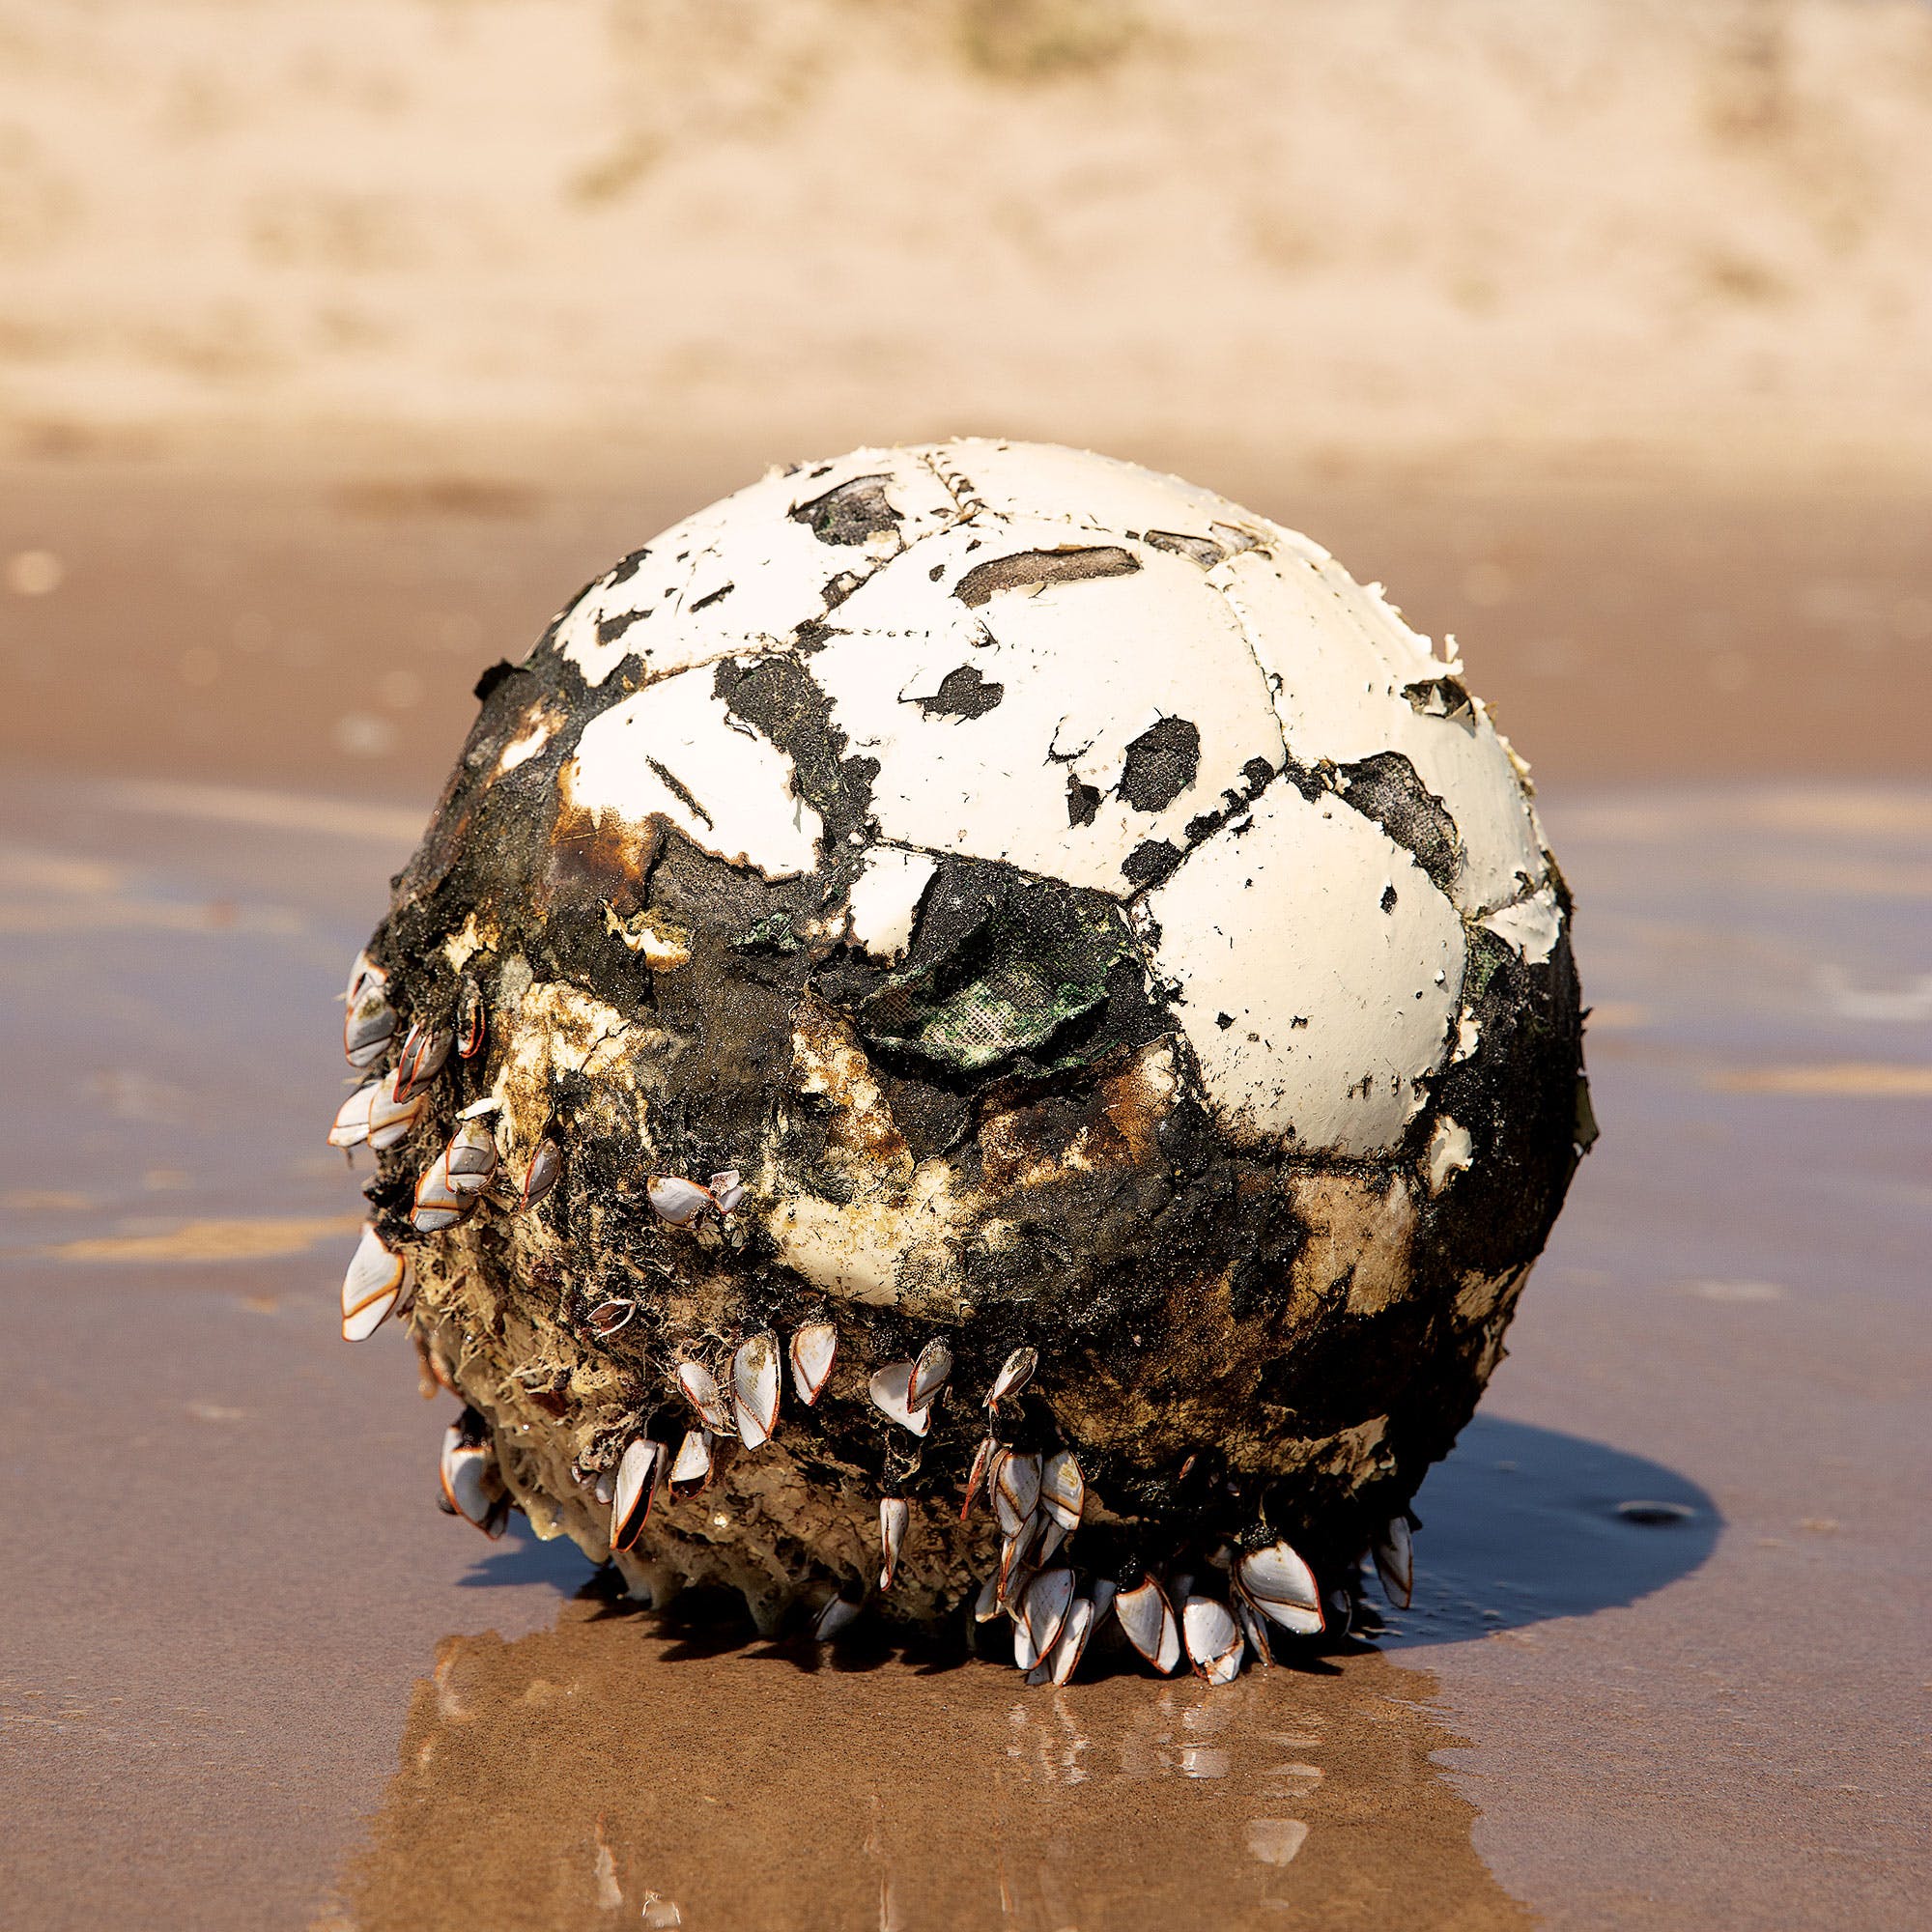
[{"x": 613, "y": 1771}]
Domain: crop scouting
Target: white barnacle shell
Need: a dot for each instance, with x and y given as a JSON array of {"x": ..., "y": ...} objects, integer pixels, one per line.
[
  {"x": 1282, "y": 1586},
  {"x": 424, "y": 1052},
  {"x": 895, "y": 1513},
  {"x": 352, "y": 1119},
  {"x": 369, "y": 1023},
  {"x": 638, "y": 1472},
  {"x": 362, "y": 973},
  {"x": 1340, "y": 1610},
  {"x": 390, "y": 1120},
  {"x": 1395, "y": 1561},
  {"x": 1064, "y": 1659},
  {"x": 1213, "y": 1639},
  {"x": 1016, "y": 1567},
  {"x": 1016, "y": 1479},
  {"x": 439, "y": 1202},
  {"x": 1043, "y": 1610},
  {"x": 1015, "y": 1372},
  {"x": 928, "y": 1374},
  {"x": 691, "y": 1468},
  {"x": 975, "y": 1476},
  {"x": 1253, "y": 1628},
  {"x": 470, "y": 1158},
  {"x": 1148, "y": 1618},
  {"x": 472, "y": 1487},
  {"x": 754, "y": 1388},
  {"x": 379, "y": 1284},
  {"x": 471, "y": 1020},
  {"x": 813, "y": 1348},
  {"x": 1062, "y": 1489},
  {"x": 611, "y": 1316},
  {"x": 700, "y": 1389},
  {"x": 839, "y": 1613},
  {"x": 889, "y": 1388},
  {"x": 678, "y": 1201},
  {"x": 546, "y": 1170}
]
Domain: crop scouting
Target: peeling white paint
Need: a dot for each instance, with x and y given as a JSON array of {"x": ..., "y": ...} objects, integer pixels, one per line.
[
  {"x": 673, "y": 751},
  {"x": 560, "y": 1028},
  {"x": 856, "y": 1250},
  {"x": 742, "y": 573},
  {"x": 466, "y": 943},
  {"x": 1283, "y": 932},
  {"x": 851, "y": 1253},
  {"x": 1339, "y": 660},
  {"x": 1533, "y": 926},
  {"x": 1098, "y": 492},
  {"x": 885, "y": 900},
  {"x": 527, "y": 743},
  {"x": 1084, "y": 669},
  {"x": 1449, "y": 1151},
  {"x": 1468, "y": 1036},
  {"x": 551, "y": 1028},
  {"x": 1338, "y": 1009}
]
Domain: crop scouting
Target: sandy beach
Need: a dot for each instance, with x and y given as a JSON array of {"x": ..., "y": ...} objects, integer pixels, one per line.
[
  {"x": 338, "y": 347},
  {"x": 1665, "y": 1657},
  {"x": 1499, "y": 229}
]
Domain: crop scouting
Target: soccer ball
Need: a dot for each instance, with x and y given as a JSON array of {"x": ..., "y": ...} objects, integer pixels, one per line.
[{"x": 983, "y": 975}]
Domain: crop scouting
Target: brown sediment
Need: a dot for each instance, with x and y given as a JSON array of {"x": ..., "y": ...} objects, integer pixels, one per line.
[{"x": 607, "y": 1766}]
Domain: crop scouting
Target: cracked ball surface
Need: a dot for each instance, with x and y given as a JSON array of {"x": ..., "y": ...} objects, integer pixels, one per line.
[{"x": 984, "y": 894}]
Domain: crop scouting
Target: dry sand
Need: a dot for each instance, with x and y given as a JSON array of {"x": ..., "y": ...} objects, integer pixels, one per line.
[{"x": 1496, "y": 230}]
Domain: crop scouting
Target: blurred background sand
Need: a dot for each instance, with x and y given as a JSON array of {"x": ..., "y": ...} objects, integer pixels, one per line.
[
  {"x": 342, "y": 342},
  {"x": 1491, "y": 231}
]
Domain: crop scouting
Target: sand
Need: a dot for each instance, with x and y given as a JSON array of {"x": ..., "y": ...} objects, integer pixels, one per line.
[
  {"x": 523, "y": 1805},
  {"x": 255, "y": 1680},
  {"x": 321, "y": 625},
  {"x": 1494, "y": 228}
]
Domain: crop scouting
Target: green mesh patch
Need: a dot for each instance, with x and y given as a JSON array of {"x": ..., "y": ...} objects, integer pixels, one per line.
[
  {"x": 773, "y": 933},
  {"x": 1006, "y": 993}
]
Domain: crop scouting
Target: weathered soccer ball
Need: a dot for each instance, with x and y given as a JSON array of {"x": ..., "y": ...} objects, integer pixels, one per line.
[{"x": 975, "y": 1028}]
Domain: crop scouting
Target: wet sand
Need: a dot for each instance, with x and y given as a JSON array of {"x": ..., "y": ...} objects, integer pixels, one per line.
[
  {"x": 1668, "y": 1663},
  {"x": 319, "y": 622},
  {"x": 764, "y": 1785}
]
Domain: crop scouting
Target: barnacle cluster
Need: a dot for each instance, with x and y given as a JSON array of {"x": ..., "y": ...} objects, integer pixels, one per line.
[{"x": 976, "y": 976}]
